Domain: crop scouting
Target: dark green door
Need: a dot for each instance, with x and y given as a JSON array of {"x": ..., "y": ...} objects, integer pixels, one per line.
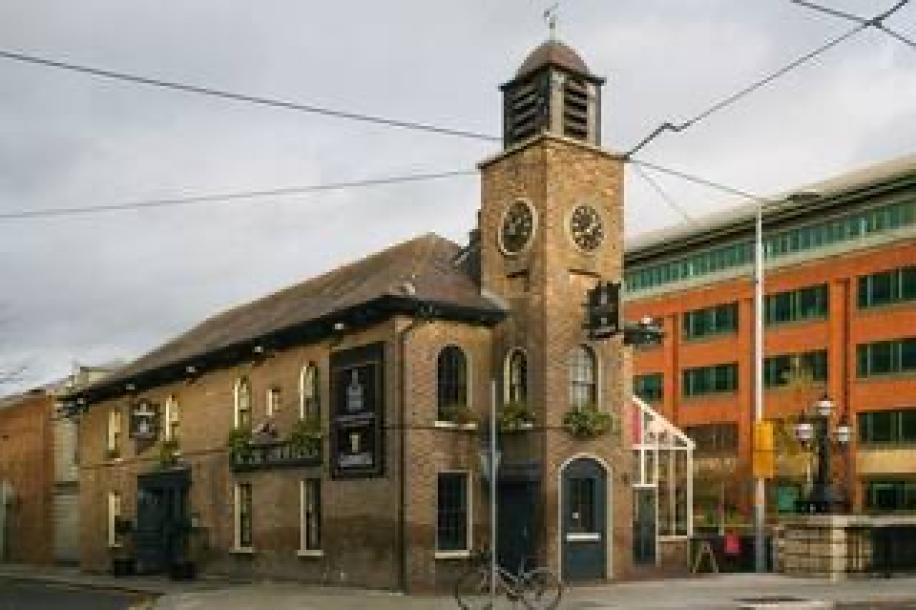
[
  {"x": 515, "y": 524},
  {"x": 161, "y": 532},
  {"x": 584, "y": 520},
  {"x": 644, "y": 526}
]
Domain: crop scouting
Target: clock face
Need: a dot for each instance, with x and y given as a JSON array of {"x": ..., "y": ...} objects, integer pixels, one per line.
[
  {"x": 517, "y": 227},
  {"x": 586, "y": 227}
]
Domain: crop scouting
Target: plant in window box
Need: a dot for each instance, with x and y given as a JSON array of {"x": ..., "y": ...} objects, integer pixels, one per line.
[
  {"x": 460, "y": 414},
  {"x": 515, "y": 415},
  {"x": 588, "y": 421},
  {"x": 305, "y": 437},
  {"x": 239, "y": 444},
  {"x": 168, "y": 452}
]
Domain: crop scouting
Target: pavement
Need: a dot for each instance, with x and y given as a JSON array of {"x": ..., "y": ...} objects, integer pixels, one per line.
[
  {"x": 33, "y": 595},
  {"x": 708, "y": 592}
]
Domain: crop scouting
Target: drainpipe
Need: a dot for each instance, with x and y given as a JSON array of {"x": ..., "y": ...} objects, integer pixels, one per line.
[{"x": 421, "y": 318}]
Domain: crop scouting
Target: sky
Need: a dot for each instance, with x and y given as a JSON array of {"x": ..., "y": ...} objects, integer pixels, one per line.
[{"x": 96, "y": 288}]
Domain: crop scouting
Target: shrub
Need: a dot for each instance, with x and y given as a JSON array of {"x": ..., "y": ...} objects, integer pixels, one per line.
[
  {"x": 239, "y": 443},
  {"x": 514, "y": 416},
  {"x": 306, "y": 435},
  {"x": 588, "y": 421},
  {"x": 168, "y": 452},
  {"x": 459, "y": 414}
]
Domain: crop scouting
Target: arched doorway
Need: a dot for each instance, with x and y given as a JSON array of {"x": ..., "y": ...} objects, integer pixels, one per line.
[{"x": 583, "y": 520}]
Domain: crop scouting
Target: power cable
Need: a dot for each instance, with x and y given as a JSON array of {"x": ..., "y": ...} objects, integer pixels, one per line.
[
  {"x": 663, "y": 195},
  {"x": 228, "y": 197},
  {"x": 243, "y": 97},
  {"x": 731, "y": 99},
  {"x": 877, "y": 22},
  {"x": 757, "y": 199}
]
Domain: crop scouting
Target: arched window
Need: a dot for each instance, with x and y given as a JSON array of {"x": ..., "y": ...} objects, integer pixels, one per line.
[
  {"x": 583, "y": 386},
  {"x": 171, "y": 424},
  {"x": 309, "y": 392},
  {"x": 242, "y": 403},
  {"x": 516, "y": 377},
  {"x": 453, "y": 381}
]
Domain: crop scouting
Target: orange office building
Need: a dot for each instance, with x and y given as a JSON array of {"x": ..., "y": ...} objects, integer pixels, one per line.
[{"x": 840, "y": 321}]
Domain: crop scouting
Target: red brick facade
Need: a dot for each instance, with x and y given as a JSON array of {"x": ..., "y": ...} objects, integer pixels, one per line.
[
  {"x": 845, "y": 327},
  {"x": 27, "y": 467}
]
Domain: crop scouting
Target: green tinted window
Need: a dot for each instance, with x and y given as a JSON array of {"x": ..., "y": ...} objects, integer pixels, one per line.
[
  {"x": 710, "y": 379},
  {"x": 649, "y": 387},
  {"x": 800, "y": 239},
  {"x": 778, "y": 370},
  {"x": 883, "y": 357},
  {"x": 802, "y": 304},
  {"x": 711, "y": 320},
  {"x": 893, "y": 286}
]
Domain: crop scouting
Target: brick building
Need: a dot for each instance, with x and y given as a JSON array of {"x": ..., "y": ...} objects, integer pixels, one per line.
[
  {"x": 39, "y": 486},
  {"x": 330, "y": 432},
  {"x": 26, "y": 477},
  {"x": 840, "y": 320}
]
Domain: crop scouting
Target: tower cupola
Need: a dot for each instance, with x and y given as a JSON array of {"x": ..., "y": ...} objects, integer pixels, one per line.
[{"x": 553, "y": 91}]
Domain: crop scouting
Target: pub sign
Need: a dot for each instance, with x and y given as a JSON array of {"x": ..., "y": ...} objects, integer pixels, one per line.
[{"x": 357, "y": 412}]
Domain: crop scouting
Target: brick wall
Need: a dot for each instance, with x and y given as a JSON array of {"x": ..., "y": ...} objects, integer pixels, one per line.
[
  {"x": 844, "y": 328},
  {"x": 26, "y": 463}
]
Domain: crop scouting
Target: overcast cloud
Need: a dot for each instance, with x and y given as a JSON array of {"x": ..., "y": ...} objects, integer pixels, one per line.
[{"x": 114, "y": 285}]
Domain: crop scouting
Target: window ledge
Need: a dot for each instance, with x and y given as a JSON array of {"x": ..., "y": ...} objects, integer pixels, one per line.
[
  {"x": 310, "y": 553},
  {"x": 115, "y": 545},
  {"x": 877, "y": 377},
  {"x": 709, "y": 337},
  {"x": 450, "y": 425},
  {"x": 453, "y": 554},
  {"x": 242, "y": 550}
]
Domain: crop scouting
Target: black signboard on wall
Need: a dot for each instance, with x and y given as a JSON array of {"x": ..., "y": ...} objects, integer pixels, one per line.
[{"x": 357, "y": 412}]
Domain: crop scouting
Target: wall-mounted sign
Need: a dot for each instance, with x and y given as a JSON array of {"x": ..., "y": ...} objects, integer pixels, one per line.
[
  {"x": 144, "y": 420},
  {"x": 357, "y": 412},
  {"x": 602, "y": 318}
]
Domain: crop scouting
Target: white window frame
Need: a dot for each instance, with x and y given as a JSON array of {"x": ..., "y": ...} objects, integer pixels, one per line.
[
  {"x": 306, "y": 375},
  {"x": 243, "y": 380},
  {"x": 596, "y": 373},
  {"x": 304, "y": 550},
  {"x": 507, "y": 372},
  {"x": 237, "y": 519},
  {"x": 274, "y": 400},
  {"x": 469, "y": 528},
  {"x": 114, "y": 430},
  {"x": 172, "y": 414},
  {"x": 114, "y": 512}
]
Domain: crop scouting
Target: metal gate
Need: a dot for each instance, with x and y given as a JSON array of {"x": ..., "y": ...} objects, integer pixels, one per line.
[{"x": 65, "y": 515}]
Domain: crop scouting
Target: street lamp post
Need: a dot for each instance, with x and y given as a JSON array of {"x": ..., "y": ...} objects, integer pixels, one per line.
[
  {"x": 759, "y": 484},
  {"x": 816, "y": 434}
]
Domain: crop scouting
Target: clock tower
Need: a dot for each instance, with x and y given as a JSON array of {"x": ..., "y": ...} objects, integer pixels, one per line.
[{"x": 551, "y": 228}]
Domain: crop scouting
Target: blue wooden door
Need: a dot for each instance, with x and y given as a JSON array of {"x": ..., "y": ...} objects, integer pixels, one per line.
[{"x": 584, "y": 520}]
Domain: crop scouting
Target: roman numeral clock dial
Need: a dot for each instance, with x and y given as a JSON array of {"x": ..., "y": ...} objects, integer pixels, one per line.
[{"x": 586, "y": 228}]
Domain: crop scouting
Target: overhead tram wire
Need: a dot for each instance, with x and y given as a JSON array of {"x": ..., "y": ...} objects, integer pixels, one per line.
[
  {"x": 227, "y": 197},
  {"x": 663, "y": 195},
  {"x": 243, "y": 97},
  {"x": 877, "y": 23},
  {"x": 731, "y": 99},
  {"x": 718, "y": 186}
]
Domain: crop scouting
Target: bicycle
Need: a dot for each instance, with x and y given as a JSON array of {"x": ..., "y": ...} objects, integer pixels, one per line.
[{"x": 537, "y": 589}]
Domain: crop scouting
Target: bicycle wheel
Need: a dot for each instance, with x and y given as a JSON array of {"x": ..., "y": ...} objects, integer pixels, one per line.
[
  {"x": 541, "y": 589},
  {"x": 472, "y": 590}
]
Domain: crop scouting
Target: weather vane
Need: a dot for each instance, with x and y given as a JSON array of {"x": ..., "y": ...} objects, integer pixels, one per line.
[{"x": 550, "y": 16}]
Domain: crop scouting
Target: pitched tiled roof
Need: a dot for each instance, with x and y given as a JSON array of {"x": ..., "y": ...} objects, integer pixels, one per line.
[{"x": 421, "y": 270}]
